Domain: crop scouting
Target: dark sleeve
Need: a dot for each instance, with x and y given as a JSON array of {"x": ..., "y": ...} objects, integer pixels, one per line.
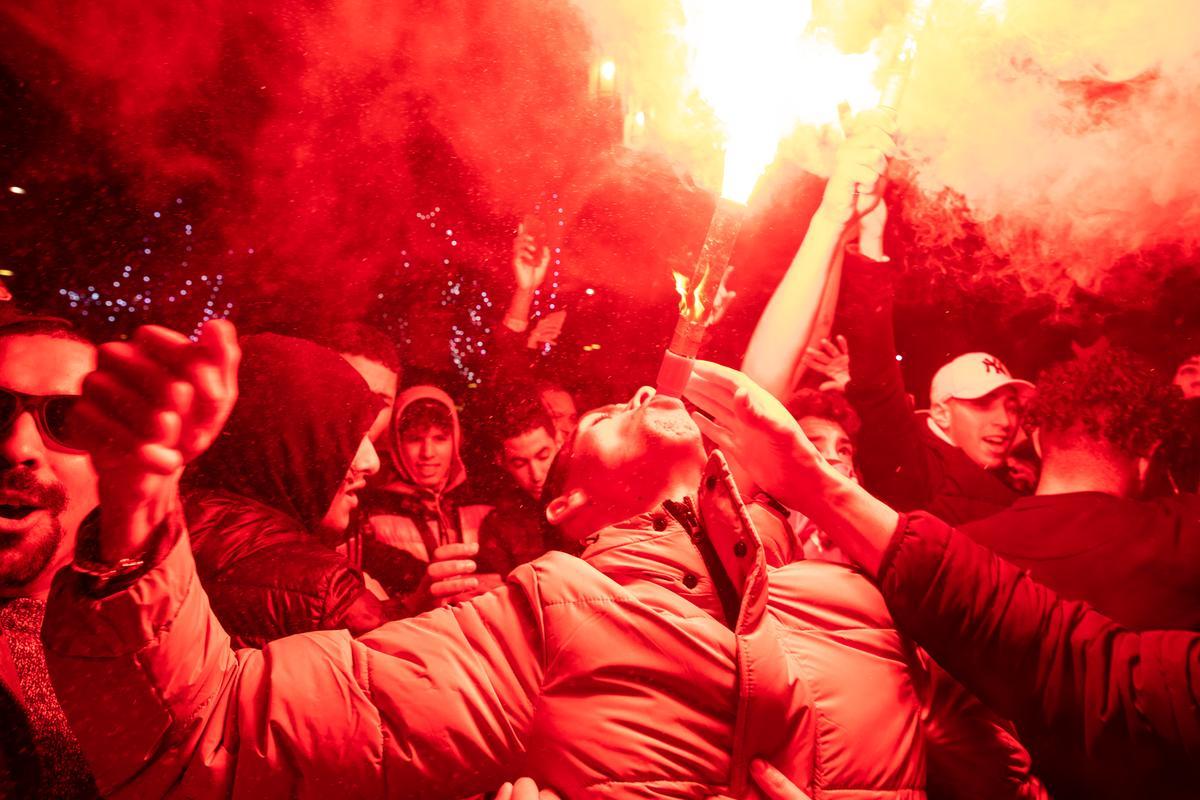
[
  {"x": 350, "y": 605},
  {"x": 507, "y": 354},
  {"x": 970, "y": 752},
  {"x": 398, "y": 571},
  {"x": 1058, "y": 669},
  {"x": 891, "y": 453},
  {"x": 495, "y": 553},
  {"x": 162, "y": 539}
]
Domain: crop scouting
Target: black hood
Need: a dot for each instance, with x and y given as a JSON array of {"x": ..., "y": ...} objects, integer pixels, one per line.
[{"x": 301, "y": 414}]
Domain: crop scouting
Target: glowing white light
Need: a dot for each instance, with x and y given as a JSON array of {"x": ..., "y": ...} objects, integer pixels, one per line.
[{"x": 762, "y": 76}]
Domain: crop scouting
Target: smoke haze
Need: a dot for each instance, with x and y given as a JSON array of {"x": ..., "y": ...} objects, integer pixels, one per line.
[{"x": 1063, "y": 133}]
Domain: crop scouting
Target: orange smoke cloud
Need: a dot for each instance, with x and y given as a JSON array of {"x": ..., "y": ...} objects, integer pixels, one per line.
[{"x": 1066, "y": 131}]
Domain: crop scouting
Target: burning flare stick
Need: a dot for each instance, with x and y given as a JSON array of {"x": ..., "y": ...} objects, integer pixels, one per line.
[
  {"x": 697, "y": 297},
  {"x": 902, "y": 63}
]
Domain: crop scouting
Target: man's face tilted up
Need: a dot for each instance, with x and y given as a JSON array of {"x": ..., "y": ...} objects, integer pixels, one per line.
[
  {"x": 46, "y": 487},
  {"x": 624, "y": 460}
]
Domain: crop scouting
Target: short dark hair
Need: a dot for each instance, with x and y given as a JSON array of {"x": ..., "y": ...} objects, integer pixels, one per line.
[
  {"x": 42, "y": 326},
  {"x": 829, "y": 405},
  {"x": 359, "y": 339},
  {"x": 545, "y": 383},
  {"x": 423, "y": 414},
  {"x": 515, "y": 415},
  {"x": 1112, "y": 395}
]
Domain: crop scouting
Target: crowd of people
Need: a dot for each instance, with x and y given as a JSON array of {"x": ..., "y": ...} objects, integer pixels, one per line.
[{"x": 267, "y": 566}]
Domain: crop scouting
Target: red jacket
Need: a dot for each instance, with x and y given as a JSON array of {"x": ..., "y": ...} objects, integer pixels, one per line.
[{"x": 612, "y": 676}]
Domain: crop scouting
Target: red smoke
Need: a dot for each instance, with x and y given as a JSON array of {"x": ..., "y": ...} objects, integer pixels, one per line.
[{"x": 310, "y": 126}]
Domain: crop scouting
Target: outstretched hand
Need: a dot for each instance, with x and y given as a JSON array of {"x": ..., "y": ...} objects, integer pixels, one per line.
[
  {"x": 153, "y": 404},
  {"x": 209, "y": 365},
  {"x": 530, "y": 260},
  {"x": 831, "y": 359},
  {"x": 547, "y": 330},
  {"x": 747, "y": 422}
]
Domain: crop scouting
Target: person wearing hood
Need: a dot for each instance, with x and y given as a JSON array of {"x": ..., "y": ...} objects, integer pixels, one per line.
[
  {"x": 272, "y": 498},
  {"x": 418, "y": 512},
  {"x": 651, "y": 667}
]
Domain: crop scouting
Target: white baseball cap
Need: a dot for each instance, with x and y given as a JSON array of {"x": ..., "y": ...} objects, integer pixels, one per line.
[{"x": 973, "y": 375}]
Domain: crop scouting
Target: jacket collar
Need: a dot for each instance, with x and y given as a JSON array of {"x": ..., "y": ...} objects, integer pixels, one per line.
[
  {"x": 659, "y": 547},
  {"x": 664, "y": 547},
  {"x": 655, "y": 548}
]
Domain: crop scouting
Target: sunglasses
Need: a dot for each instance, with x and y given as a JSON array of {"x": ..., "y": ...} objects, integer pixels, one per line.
[{"x": 52, "y": 413}]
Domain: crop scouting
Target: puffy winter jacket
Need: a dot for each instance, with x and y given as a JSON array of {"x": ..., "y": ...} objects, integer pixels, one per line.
[
  {"x": 266, "y": 577},
  {"x": 867, "y": 738},
  {"x": 617, "y": 675},
  {"x": 603, "y": 685}
]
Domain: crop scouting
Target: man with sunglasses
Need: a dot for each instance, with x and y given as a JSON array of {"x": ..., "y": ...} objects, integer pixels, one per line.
[{"x": 47, "y": 487}]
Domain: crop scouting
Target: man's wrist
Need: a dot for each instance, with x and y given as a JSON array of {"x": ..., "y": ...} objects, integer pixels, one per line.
[
  {"x": 809, "y": 477},
  {"x": 870, "y": 245},
  {"x": 833, "y": 221},
  {"x": 130, "y": 514},
  {"x": 517, "y": 318},
  {"x": 104, "y": 574}
]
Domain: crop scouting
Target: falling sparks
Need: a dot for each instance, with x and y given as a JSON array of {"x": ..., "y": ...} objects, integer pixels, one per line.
[{"x": 134, "y": 293}]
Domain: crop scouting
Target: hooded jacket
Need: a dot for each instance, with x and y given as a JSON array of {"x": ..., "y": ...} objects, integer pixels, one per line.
[
  {"x": 254, "y": 501},
  {"x": 621, "y": 674},
  {"x": 403, "y": 515}
]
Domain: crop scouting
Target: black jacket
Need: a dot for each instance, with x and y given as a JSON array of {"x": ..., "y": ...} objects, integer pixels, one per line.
[
  {"x": 1104, "y": 711},
  {"x": 267, "y": 577},
  {"x": 1137, "y": 561},
  {"x": 515, "y": 532},
  {"x": 902, "y": 462}
]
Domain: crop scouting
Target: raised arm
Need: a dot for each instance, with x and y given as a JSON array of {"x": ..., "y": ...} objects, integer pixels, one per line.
[
  {"x": 1106, "y": 695},
  {"x": 800, "y": 312},
  {"x": 435, "y": 706},
  {"x": 430, "y": 707},
  {"x": 509, "y": 346}
]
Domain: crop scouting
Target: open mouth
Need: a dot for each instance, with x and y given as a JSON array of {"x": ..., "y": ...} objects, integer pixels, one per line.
[
  {"x": 17, "y": 506},
  {"x": 664, "y": 402},
  {"x": 17, "y": 511}
]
